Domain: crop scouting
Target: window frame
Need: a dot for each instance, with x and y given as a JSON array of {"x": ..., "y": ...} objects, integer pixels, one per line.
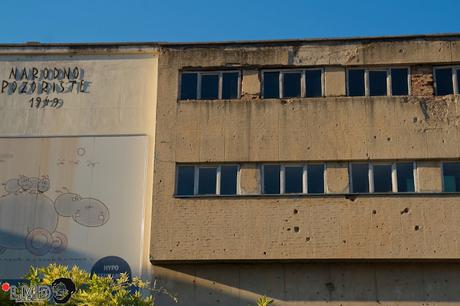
[
  {"x": 370, "y": 176},
  {"x": 200, "y": 73},
  {"x": 218, "y": 180},
  {"x": 283, "y": 178},
  {"x": 303, "y": 78},
  {"x": 454, "y": 69},
  {"x": 388, "y": 80}
]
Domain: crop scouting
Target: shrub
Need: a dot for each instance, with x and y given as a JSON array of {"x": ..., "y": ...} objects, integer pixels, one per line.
[
  {"x": 93, "y": 290},
  {"x": 264, "y": 301}
]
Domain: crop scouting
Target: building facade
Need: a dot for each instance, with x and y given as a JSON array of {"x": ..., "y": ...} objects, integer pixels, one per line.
[{"x": 311, "y": 171}]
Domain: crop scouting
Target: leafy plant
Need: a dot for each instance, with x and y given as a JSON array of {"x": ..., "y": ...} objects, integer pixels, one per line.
[
  {"x": 93, "y": 290},
  {"x": 264, "y": 301}
]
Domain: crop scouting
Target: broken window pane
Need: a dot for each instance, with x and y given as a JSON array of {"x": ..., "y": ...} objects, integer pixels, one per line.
[
  {"x": 188, "y": 86},
  {"x": 291, "y": 84},
  {"x": 399, "y": 84},
  {"x": 293, "y": 179},
  {"x": 377, "y": 83},
  {"x": 451, "y": 173},
  {"x": 382, "y": 178},
  {"x": 315, "y": 178},
  {"x": 405, "y": 175},
  {"x": 230, "y": 85},
  {"x": 271, "y": 85},
  {"x": 360, "y": 177},
  {"x": 209, "y": 86},
  {"x": 185, "y": 180},
  {"x": 207, "y": 180},
  {"x": 356, "y": 82},
  {"x": 228, "y": 178},
  {"x": 313, "y": 83},
  {"x": 444, "y": 84},
  {"x": 271, "y": 179}
]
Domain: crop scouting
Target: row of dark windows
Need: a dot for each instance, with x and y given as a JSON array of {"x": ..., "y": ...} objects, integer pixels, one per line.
[
  {"x": 365, "y": 177},
  {"x": 212, "y": 85},
  {"x": 378, "y": 82}
]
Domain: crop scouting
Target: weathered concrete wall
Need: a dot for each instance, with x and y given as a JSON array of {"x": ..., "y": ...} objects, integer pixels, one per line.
[
  {"x": 330, "y": 129},
  {"x": 299, "y": 284},
  {"x": 269, "y": 232},
  {"x": 323, "y": 227}
]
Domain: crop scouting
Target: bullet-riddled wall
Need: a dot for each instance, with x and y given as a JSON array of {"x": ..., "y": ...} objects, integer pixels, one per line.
[{"x": 334, "y": 129}]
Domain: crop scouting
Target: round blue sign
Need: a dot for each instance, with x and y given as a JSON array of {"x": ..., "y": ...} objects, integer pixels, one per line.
[{"x": 111, "y": 266}]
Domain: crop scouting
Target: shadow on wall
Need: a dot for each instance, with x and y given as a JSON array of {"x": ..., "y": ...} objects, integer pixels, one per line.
[
  {"x": 38, "y": 248},
  {"x": 302, "y": 284}
]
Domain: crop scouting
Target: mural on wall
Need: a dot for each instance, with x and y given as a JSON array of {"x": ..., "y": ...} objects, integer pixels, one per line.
[
  {"x": 75, "y": 200},
  {"x": 26, "y": 194}
]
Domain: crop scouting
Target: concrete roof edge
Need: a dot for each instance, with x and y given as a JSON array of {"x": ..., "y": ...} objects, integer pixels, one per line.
[
  {"x": 447, "y": 36},
  {"x": 118, "y": 45}
]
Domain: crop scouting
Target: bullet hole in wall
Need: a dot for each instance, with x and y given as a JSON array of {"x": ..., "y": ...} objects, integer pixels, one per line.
[
  {"x": 307, "y": 239},
  {"x": 295, "y": 211},
  {"x": 330, "y": 286},
  {"x": 405, "y": 211},
  {"x": 374, "y": 212},
  {"x": 388, "y": 139},
  {"x": 296, "y": 229},
  {"x": 415, "y": 119},
  {"x": 351, "y": 198},
  {"x": 416, "y": 227}
]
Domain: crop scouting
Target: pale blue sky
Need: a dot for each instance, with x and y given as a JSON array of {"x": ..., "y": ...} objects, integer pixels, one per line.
[{"x": 215, "y": 20}]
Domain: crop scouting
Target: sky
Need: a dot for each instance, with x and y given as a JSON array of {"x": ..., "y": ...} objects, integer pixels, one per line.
[{"x": 216, "y": 20}]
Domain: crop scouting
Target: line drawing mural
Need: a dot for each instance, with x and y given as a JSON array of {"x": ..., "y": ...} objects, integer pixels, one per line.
[
  {"x": 35, "y": 230},
  {"x": 63, "y": 199}
]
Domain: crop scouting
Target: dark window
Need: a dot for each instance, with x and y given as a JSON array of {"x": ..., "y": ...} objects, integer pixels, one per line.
[
  {"x": 405, "y": 175},
  {"x": 458, "y": 79},
  {"x": 399, "y": 84},
  {"x": 313, "y": 83},
  {"x": 315, "y": 178},
  {"x": 444, "y": 84},
  {"x": 185, "y": 180},
  {"x": 377, "y": 83},
  {"x": 228, "y": 178},
  {"x": 293, "y": 179},
  {"x": 188, "y": 86},
  {"x": 209, "y": 86},
  {"x": 291, "y": 84},
  {"x": 451, "y": 172},
  {"x": 271, "y": 179},
  {"x": 360, "y": 177},
  {"x": 207, "y": 180},
  {"x": 356, "y": 82},
  {"x": 230, "y": 85},
  {"x": 382, "y": 178},
  {"x": 271, "y": 85}
]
